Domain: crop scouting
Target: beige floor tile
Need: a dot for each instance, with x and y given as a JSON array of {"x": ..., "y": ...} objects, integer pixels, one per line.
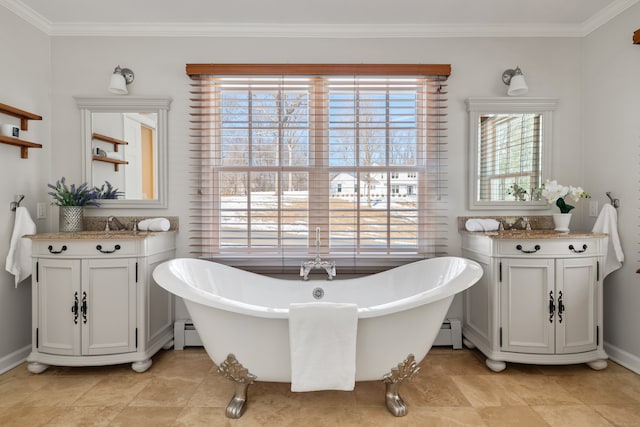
[
  {"x": 453, "y": 388},
  {"x": 146, "y": 417},
  {"x": 599, "y": 388},
  {"x": 18, "y": 389},
  {"x": 203, "y": 417},
  {"x": 23, "y": 416},
  {"x": 487, "y": 390},
  {"x": 540, "y": 390},
  {"x": 310, "y": 415},
  {"x": 166, "y": 392},
  {"x": 620, "y": 415},
  {"x": 430, "y": 390},
  {"x": 521, "y": 416},
  {"x": 114, "y": 390},
  {"x": 61, "y": 391},
  {"x": 214, "y": 391},
  {"x": 571, "y": 415},
  {"x": 85, "y": 416}
]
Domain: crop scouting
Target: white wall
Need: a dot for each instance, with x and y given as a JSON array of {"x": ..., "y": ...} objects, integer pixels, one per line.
[
  {"x": 611, "y": 109},
  {"x": 25, "y": 84}
]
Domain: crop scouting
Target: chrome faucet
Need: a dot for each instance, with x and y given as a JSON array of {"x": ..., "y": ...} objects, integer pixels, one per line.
[
  {"x": 318, "y": 263},
  {"x": 523, "y": 223},
  {"x": 116, "y": 223}
]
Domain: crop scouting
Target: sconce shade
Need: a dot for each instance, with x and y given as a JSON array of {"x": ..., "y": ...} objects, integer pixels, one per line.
[
  {"x": 120, "y": 78},
  {"x": 518, "y": 86},
  {"x": 515, "y": 80},
  {"x": 118, "y": 84}
]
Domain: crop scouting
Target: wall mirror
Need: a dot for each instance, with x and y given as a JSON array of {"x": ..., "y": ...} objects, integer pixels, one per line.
[
  {"x": 124, "y": 142},
  {"x": 510, "y": 142}
]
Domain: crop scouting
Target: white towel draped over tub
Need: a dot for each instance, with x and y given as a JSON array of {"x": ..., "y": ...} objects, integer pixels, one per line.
[
  {"x": 19, "y": 257},
  {"x": 607, "y": 222},
  {"x": 322, "y": 340}
]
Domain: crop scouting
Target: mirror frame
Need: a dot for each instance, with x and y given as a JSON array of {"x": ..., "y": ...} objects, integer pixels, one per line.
[
  {"x": 129, "y": 104},
  {"x": 504, "y": 105}
]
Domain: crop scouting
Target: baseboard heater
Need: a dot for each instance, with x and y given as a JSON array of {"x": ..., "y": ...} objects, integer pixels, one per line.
[{"x": 185, "y": 334}]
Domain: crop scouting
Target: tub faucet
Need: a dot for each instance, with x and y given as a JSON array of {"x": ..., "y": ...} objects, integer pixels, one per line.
[{"x": 317, "y": 263}]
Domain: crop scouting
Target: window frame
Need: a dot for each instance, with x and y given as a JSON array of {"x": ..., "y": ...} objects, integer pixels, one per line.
[
  {"x": 372, "y": 257},
  {"x": 477, "y": 107}
]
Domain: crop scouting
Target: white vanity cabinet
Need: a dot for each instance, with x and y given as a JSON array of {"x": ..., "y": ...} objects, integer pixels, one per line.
[
  {"x": 539, "y": 300},
  {"x": 95, "y": 301}
]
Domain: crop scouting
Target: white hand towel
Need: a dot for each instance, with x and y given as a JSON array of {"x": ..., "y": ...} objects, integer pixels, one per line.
[
  {"x": 482, "y": 224},
  {"x": 322, "y": 340},
  {"x": 154, "y": 224},
  {"x": 607, "y": 222},
  {"x": 19, "y": 257}
]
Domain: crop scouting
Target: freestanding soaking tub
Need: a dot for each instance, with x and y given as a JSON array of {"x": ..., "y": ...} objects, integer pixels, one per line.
[{"x": 242, "y": 317}]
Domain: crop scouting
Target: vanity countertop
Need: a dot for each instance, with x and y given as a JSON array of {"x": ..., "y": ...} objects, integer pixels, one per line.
[
  {"x": 532, "y": 234},
  {"x": 93, "y": 235}
]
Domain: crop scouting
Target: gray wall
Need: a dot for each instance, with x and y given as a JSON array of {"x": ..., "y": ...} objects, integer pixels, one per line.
[
  {"x": 611, "y": 132},
  {"x": 25, "y": 83}
]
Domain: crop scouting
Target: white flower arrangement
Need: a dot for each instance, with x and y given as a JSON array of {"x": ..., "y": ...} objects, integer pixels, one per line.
[{"x": 554, "y": 192}]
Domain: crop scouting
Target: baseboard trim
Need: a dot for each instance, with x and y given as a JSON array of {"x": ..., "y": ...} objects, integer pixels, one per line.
[
  {"x": 624, "y": 358},
  {"x": 12, "y": 360}
]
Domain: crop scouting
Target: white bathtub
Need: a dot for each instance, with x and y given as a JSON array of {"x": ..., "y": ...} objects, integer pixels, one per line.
[{"x": 400, "y": 311}]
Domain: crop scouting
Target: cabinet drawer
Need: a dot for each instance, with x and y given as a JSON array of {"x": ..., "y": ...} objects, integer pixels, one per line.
[
  {"x": 85, "y": 248},
  {"x": 549, "y": 247}
]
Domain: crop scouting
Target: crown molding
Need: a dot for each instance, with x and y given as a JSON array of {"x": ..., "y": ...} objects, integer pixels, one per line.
[
  {"x": 29, "y": 15},
  {"x": 313, "y": 30},
  {"x": 606, "y": 14},
  {"x": 172, "y": 29}
]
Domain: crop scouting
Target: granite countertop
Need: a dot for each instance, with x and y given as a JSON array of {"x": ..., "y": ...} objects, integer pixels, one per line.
[
  {"x": 532, "y": 234},
  {"x": 88, "y": 235}
]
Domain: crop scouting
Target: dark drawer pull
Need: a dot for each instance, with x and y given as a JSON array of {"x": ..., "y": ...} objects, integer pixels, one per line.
[
  {"x": 62, "y": 249},
  {"x": 115, "y": 248},
  {"x": 536, "y": 248},
  {"x": 578, "y": 251}
]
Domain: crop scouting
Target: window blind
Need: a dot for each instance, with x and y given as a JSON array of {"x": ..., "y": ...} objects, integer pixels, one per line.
[
  {"x": 509, "y": 154},
  {"x": 354, "y": 156}
]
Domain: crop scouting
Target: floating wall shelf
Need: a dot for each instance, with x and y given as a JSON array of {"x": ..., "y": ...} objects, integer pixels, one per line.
[
  {"x": 24, "y": 117},
  {"x": 116, "y": 142}
]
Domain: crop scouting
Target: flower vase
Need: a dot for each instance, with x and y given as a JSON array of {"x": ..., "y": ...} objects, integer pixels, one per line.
[
  {"x": 70, "y": 218},
  {"x": 562, "y": 221}
]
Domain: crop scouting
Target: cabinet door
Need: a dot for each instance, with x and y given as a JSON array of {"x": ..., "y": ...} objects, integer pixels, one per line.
[
  {"x": 576, "y": 308},
  {"x": 109, "y": 291},
  {"x": 57, "y": 288},
  {"x": 526, "y": 286}
]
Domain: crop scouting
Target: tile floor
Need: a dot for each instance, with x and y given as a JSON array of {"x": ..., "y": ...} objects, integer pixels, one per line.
[{"x": 453, "y": 388}]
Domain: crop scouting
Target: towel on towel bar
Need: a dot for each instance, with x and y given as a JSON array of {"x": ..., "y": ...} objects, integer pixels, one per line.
[
  {"x": 19, "y": 257},
  {"x": 607, "y": 222},
  {"x": 322, "y": 340}
]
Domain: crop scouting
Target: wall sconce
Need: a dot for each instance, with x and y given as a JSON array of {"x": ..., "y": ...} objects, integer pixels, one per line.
[
  {"x": 515, "y": 80},
  {"x": 120, "y": 78}
]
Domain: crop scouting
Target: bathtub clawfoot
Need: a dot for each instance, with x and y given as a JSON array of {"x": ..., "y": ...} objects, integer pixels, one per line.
[
  {"x": 405, "y": 370},
  {"x": 234, "y": 371}
]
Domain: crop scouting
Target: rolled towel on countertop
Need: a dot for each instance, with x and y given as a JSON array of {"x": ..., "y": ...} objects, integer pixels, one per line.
[
  {"x": 154, "y": 224},
  {"x": 482, "y": 224}
]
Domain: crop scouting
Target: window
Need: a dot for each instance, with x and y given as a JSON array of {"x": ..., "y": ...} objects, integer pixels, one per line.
[{"x": 283, "y": 151}]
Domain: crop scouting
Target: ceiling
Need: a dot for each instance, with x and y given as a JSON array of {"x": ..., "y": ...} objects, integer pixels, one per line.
[{"x": 318, "y": 18}]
